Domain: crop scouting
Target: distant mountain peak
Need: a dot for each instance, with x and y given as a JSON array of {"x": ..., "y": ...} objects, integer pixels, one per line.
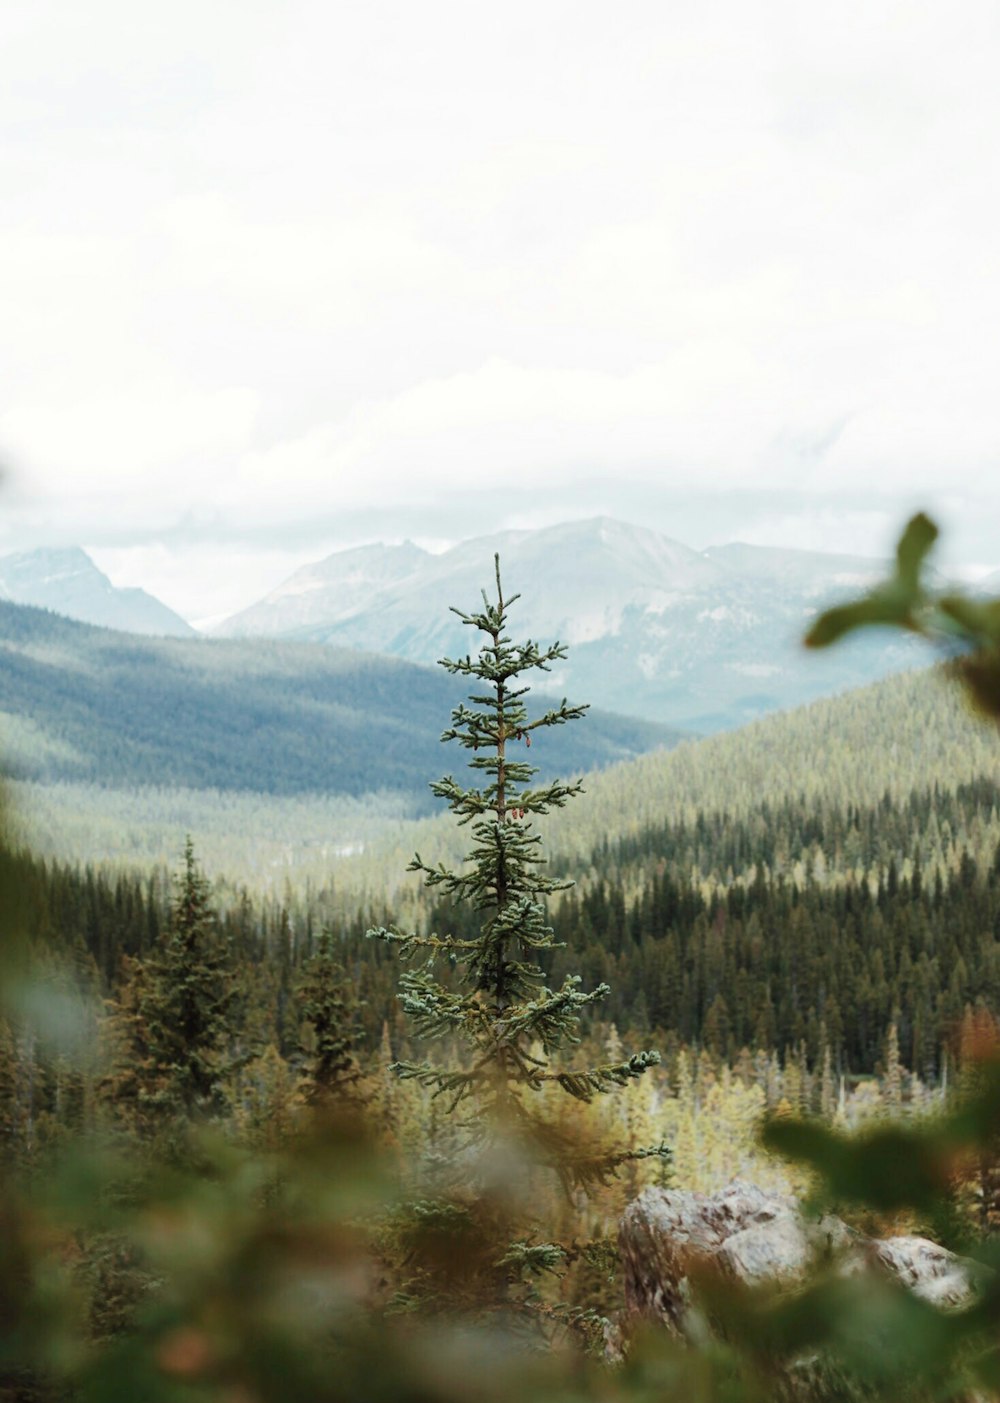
[
  {"x": 48, "y": 560},
  {"x": 65, "y": 580},
  {"x": 333, "y": 588}
]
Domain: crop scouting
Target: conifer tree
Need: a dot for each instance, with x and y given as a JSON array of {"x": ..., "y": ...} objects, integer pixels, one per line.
[
  {"x": 192, "y": 997},
  {"x": 892, "y": 1080},
  {"x": 497, "y": 1002},
  {"x": 331, "y": 1012},
  {"x": 131, "y": 1075},
  {"x": 827, "y": 1094},
  {"x": 267, "y": 1101},
  {"x": 173, "y": 1028}
]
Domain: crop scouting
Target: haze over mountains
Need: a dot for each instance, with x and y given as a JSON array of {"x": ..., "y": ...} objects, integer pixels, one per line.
[{"x": 704, "y": 640}]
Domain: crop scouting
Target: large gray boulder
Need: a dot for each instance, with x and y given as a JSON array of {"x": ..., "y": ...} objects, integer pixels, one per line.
[{"x": 753, "y": 1237}]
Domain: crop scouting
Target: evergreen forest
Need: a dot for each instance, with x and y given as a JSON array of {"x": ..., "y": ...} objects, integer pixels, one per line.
[{"x": 892, "y": 917}]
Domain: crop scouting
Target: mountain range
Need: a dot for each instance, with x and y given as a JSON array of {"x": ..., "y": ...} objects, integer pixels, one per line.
[
  {"x": 696, "y": 640},
  {"x": 703, "y": 640}
]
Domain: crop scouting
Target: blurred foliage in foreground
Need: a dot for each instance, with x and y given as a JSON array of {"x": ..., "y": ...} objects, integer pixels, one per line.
[{"x": 966, "y": 627}]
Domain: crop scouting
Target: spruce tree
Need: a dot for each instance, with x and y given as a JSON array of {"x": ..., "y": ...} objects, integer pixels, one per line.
[
  {"x": 332, "y": 1073},
  {"x": 496, "y": 1000},
  {"x": 172, "y": 1023}
]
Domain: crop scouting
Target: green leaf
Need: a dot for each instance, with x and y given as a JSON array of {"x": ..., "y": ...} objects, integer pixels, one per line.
[
  {"x": 887, "y": 605},
  {"x": 892, "y": 604},
  {"x": 914, "y": 544}
]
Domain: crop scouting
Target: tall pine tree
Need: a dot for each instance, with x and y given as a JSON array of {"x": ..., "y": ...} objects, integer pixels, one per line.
[{"x": 497, "y": 1002}]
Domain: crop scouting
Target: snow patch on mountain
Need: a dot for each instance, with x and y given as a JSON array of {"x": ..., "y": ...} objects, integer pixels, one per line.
[
  {"x": 754, "y": 669},
  {"x": 587, "y": 628}
]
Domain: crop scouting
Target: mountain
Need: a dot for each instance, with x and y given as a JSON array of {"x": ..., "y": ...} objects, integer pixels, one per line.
[
  {"x": 701, "y": 640},
  {"x": 79, "y": 703},
  {"x": 324, "y": 593},
  {"x": 68, "y": 582},
  {"x": 812, "y": 574}
]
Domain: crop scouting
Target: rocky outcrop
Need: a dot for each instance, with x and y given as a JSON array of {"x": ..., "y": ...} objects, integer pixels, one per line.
[{"x": 752, "y": 1237}]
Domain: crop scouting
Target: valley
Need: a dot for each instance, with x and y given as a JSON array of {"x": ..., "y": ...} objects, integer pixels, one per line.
[{"x": 211, "y": 842}]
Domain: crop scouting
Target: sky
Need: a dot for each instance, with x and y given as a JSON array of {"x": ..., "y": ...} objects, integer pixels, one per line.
[{"x": 282, "y": 277}]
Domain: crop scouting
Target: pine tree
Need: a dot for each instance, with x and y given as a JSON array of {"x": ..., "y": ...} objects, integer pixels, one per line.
[
  {"x": 892, "y": 1080},
  {"x": 9, "y": 1110},
  {"x": 267, "y": 1102},
  {"x": 126, "y": 1087},
  {"x": 172, "y": 1023},
  {"x": 330, "y": 1010},
  {"x": 827, "y": 1094},
  {"x": 497, "y": 1001}
]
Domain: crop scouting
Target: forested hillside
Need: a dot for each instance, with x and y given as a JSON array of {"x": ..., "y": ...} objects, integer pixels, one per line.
[
  {"x": 83, "y": 704},
  {"x": 733, "y": 892},
  {"x": 790, "y": 926},
  {"x": 892, "y": 737}
]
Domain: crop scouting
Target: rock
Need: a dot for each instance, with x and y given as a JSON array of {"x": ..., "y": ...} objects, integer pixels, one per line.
[
  {"x": 753, "y": 1237},
  {"x": 930, "y": 1271}
]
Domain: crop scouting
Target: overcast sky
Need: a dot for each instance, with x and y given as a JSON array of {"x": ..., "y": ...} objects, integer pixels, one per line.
[{"x": 281, "y": 276}]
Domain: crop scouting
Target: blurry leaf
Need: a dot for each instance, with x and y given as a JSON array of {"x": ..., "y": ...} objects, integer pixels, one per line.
[
  {"x": 888, "y": 1168},
  {"x": 975, "y": 618},
  {"x": 884, "y": 1333},
  {"x": 975, "y": 1122},
  {"x": 953, "y": 618},
  {"x": 892, "y": 603},
  {"x": 980, "y": 675},
  {"x": 986, "y": 1368},
  {"x": 886, "y": 605},
  {"x": 916, "y": 540}
]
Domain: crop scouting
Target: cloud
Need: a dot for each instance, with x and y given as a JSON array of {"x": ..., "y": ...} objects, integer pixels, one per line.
[
  {"x": 292, "y": 272},
  {"x": 124, "y": 442}
]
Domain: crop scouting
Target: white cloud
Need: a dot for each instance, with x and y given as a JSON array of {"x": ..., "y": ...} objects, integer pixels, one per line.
[{"x": 119, "y": 442}]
